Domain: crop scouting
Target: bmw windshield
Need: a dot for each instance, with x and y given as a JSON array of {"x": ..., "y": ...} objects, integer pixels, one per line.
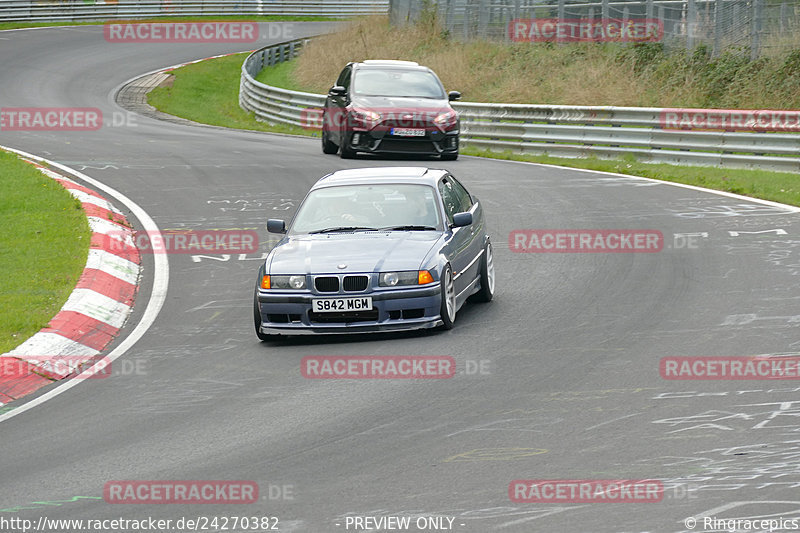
[{"x": 368, "y": 207}]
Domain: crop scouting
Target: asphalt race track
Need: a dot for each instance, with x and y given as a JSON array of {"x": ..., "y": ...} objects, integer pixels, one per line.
[{"x": 570, "y": 347}]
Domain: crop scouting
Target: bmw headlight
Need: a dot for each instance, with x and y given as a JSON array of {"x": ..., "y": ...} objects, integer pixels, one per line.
[
  {"x": 410, "y": 277},
  {"x": 296, "y": 282}
]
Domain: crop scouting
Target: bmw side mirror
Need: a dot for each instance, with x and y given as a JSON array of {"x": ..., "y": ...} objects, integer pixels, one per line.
[
  {"x": 462, "y": 219},
  {"x": 275, "y": 225},
  {"x": 337, "y": 90},
  {"x": 453, "y": 95}
]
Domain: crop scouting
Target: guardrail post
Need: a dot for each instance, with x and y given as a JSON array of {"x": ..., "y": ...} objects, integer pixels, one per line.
[
  {"x": 660, "y": 15},
  {"x": 466, "y": 21},
  {"x": 448, "y": 15},
  {"x": 784, "y": 16},
  {"x": 718, "y": 7},
  {"x": 755, "y": 30},
  {"x": 483, "y": 16},
  {"x": 691, "y": 23}
]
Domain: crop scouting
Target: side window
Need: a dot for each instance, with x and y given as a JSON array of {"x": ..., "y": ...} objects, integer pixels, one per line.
[
  {"x": 450, "y": 198},
  {"x": 344, "y": 78},
  {"x": 464, "y": 199}
]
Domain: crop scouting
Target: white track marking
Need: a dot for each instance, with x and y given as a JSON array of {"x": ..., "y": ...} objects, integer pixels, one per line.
[{"x": 789, "y": 208}]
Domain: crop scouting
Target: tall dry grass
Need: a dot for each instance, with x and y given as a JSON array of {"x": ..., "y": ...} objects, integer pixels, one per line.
[{"x": 575, "y": 73}]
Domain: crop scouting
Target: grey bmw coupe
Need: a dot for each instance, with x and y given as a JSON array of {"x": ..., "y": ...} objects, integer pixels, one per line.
[{"x": 375, "y": 249}]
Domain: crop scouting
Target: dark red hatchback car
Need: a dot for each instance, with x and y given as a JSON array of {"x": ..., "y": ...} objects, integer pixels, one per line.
[{"x": 386, "y": 106}]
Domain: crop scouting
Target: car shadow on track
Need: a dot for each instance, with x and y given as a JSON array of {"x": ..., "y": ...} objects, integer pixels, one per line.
[
  {"x": 468, "y": 316},
  {"x": 396, "y": 157},
  {"x": 348, "y": 338}
]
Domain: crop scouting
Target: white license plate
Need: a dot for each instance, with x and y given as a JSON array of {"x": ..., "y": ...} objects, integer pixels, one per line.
[
  {"x": 338, "y": 305},
  {"x": 408, "y": 132}
]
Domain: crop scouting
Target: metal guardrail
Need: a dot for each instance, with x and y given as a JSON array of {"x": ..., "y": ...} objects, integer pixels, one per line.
[
  {"x": 79, "y": 10},
  {"x": 560, "y": 131}
]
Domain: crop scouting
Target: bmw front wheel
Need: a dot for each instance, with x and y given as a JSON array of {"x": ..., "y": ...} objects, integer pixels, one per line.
[{"x": 448, "y": 310}]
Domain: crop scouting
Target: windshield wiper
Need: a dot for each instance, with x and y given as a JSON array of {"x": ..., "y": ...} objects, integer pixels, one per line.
[
  {"x": 340, "y": 228},
  {"x": 408, "y": 227}
]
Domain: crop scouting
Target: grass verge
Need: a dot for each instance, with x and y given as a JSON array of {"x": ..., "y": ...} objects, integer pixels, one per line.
[
  {"x": 207, "y": 92},
  {"x": 263, "y": 18},
  {"x": 44, "y": 242}
]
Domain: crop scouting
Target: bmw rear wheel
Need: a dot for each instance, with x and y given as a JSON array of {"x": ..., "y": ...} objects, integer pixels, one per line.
[{"x": 487, "y": 276}]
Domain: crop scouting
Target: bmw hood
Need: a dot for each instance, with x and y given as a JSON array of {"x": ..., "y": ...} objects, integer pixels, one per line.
[{"x": 360, "y": 251}]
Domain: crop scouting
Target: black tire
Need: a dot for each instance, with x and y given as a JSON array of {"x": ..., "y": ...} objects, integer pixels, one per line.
[
  {"x": 257, "y": 320},
  {"x": 448, "y": 307},
  {"x": 345, "y": 152},
  {"x": 450, "y": 156},
  {"x": 328, "y": 147},
  {"x": 487, "y": 276}
]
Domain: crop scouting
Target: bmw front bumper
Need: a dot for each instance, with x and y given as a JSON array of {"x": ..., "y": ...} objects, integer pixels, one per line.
[{"x": 290, "y": 313}]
